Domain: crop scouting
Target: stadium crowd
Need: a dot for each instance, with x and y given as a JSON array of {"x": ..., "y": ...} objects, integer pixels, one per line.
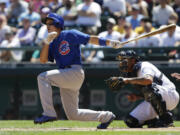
[{"x": 21, "y": 23}]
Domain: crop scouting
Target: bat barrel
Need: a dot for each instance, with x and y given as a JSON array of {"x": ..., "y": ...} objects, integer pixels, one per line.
[{"x": 157, "y": 31}]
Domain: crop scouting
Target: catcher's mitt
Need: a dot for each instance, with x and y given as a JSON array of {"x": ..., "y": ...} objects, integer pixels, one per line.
[{"x": 115, "y": 83}]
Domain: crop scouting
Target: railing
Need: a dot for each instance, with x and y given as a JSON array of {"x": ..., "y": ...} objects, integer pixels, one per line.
[
  {"x": 147, "y": 53},
  {"x": 31, "y": 48}
]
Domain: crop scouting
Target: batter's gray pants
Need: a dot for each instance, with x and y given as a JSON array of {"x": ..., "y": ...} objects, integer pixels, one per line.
[{"x": 69, "y": 81}]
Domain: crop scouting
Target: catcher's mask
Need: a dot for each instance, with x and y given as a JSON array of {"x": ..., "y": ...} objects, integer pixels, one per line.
[{"x": 126, "y": 59}]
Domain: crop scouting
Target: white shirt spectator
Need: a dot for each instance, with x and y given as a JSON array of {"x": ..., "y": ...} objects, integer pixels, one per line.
[
  {"x": 42, "y": 34},
  {"x": 116, "y": 5},
  {"x": 168, "y": 41},
  {"x": 178, "y": 29},
  {"x": 153, "y": 41},
  {"x": 113, "y": 36},
  {"x": 3, "y": 7},
  {"x": 3, "y": 31},
  {"x": 65, "y": 12},
  {"x": 16, "y": 55},
  {"x": 34, "y": 16},
  {"x": 131, "y": 44},
  {"x": 161, "y": 15},
  {"x": 28, "y": 36},
  {"x": 91, "y": 21}
]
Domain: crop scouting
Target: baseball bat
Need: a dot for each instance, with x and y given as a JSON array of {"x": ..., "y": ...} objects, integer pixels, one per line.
[{"x": 157, "y": 31}]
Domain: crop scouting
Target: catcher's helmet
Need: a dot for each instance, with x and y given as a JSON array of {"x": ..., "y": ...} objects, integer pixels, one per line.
[
  {"x": 58, "y": 20},
  {"x": 127, "y": 54},
  {"x": 125, "y": 60}
]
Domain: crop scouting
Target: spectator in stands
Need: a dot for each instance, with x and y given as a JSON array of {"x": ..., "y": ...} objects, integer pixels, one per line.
[
  {"x": 26, "y": 34},
  {"x": 69, "y": 13},
  {"x": 143, "y": 6},
  {"x": 3, "y": 8},
  {"x": 35, "y": 57},
  {"x": 131, "y": 1},
  {"x": 176, "y": 75},
  {"x": 174, "y": 17},
  {"x": 10, "y": 41},
  {"x": 135, "y": 16},
  {"x": 34, "y": 17},
  {"x": 16, "y": 8},
  {"x": 116, "y": 8},
  {"x": 3, "y": 27},
  {"x": 150, "y": 7},
  {"x": 109, "y": 33},
  {"x": 128, "y": 35},
  {"x": 55, "y": 5},
  {"x": 41, "y": 35},
  {"x": 96, "y": 56},
  {"x": 120, "y": 25},
  {"x": 176, "y": 7},
  {"x": 140, "y": 29},
  {"x": 100, "y": 2},
  {"x": 89, "y": 14},
  {"x": 161, "y": 13},
  {"x": 153, "y": 41},
  {"x": 45, "y": 3},
  {"x": 37, "y": 5},
  {"x": 42, "y": 32},
  {"x": 170, "y": 38}
]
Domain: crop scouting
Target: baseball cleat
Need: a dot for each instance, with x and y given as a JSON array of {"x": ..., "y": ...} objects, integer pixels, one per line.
[
  {"x": 166, "y": 120},
  {"x": 44, "y": 119},
  {"x": 106, "y": 124}
]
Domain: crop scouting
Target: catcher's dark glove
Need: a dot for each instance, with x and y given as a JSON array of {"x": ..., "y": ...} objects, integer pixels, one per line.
[{"x": 115, "y": 83}]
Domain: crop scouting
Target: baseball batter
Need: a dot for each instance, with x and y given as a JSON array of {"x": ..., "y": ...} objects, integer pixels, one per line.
[
  {"x": 63, "y": 47},
  {"x": 159, "y": 93}
]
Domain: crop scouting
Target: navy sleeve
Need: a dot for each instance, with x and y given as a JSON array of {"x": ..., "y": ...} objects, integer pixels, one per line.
[
  {"x": 81, "y": 38},
  {"x": 50, "y": 53}
]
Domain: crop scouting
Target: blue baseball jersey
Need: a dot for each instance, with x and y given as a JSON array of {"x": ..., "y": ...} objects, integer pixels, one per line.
[{"x": 65, "y": 49}]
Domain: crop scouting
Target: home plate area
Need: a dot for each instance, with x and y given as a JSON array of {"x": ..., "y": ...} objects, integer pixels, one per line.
[{"x": 174, "y": 129}]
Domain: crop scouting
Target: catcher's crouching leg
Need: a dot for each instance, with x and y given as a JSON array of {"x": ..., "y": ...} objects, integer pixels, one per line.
[
  {"x": 165, "y": 117},
  {"x": 132, "y": 122}
]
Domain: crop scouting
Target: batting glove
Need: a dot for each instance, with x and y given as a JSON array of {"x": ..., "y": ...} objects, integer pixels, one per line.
[
  {"x": 51, "y": 36},
  {"x": 115, "y": 44}
]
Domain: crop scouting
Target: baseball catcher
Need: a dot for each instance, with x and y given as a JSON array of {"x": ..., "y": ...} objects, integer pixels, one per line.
[{"x": 157, "y": 91}]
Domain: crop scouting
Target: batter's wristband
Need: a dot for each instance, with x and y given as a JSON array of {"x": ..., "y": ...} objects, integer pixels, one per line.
[{"x": 102, "y": 41}]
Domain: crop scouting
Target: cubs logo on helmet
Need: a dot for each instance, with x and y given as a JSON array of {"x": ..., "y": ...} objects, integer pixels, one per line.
[{"x": 64, "y": 48}]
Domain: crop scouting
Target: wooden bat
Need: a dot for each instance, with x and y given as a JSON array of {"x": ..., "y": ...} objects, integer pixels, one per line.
[{"x": 157, "y": 31}]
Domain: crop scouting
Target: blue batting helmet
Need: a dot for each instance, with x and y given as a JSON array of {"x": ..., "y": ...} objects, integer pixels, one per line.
[{"x": 58, "y": 20}]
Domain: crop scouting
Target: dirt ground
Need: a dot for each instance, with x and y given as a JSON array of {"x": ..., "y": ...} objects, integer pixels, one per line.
[{"x": 174, "y": 129}]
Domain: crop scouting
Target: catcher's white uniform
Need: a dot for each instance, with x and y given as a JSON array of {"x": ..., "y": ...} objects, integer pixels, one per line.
[{"x": 144, "y": 111}]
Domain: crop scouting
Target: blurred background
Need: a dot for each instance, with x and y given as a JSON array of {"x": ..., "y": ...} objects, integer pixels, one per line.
[{"x": 22, "y": 35}]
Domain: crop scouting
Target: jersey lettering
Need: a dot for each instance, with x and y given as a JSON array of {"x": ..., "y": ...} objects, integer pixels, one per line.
[{"x": 64, "y": 48}]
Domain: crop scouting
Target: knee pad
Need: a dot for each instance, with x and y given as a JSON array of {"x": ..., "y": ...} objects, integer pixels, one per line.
[
  {"x": 151, "y": 95},
  {"x": 132, "y": 122}
]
